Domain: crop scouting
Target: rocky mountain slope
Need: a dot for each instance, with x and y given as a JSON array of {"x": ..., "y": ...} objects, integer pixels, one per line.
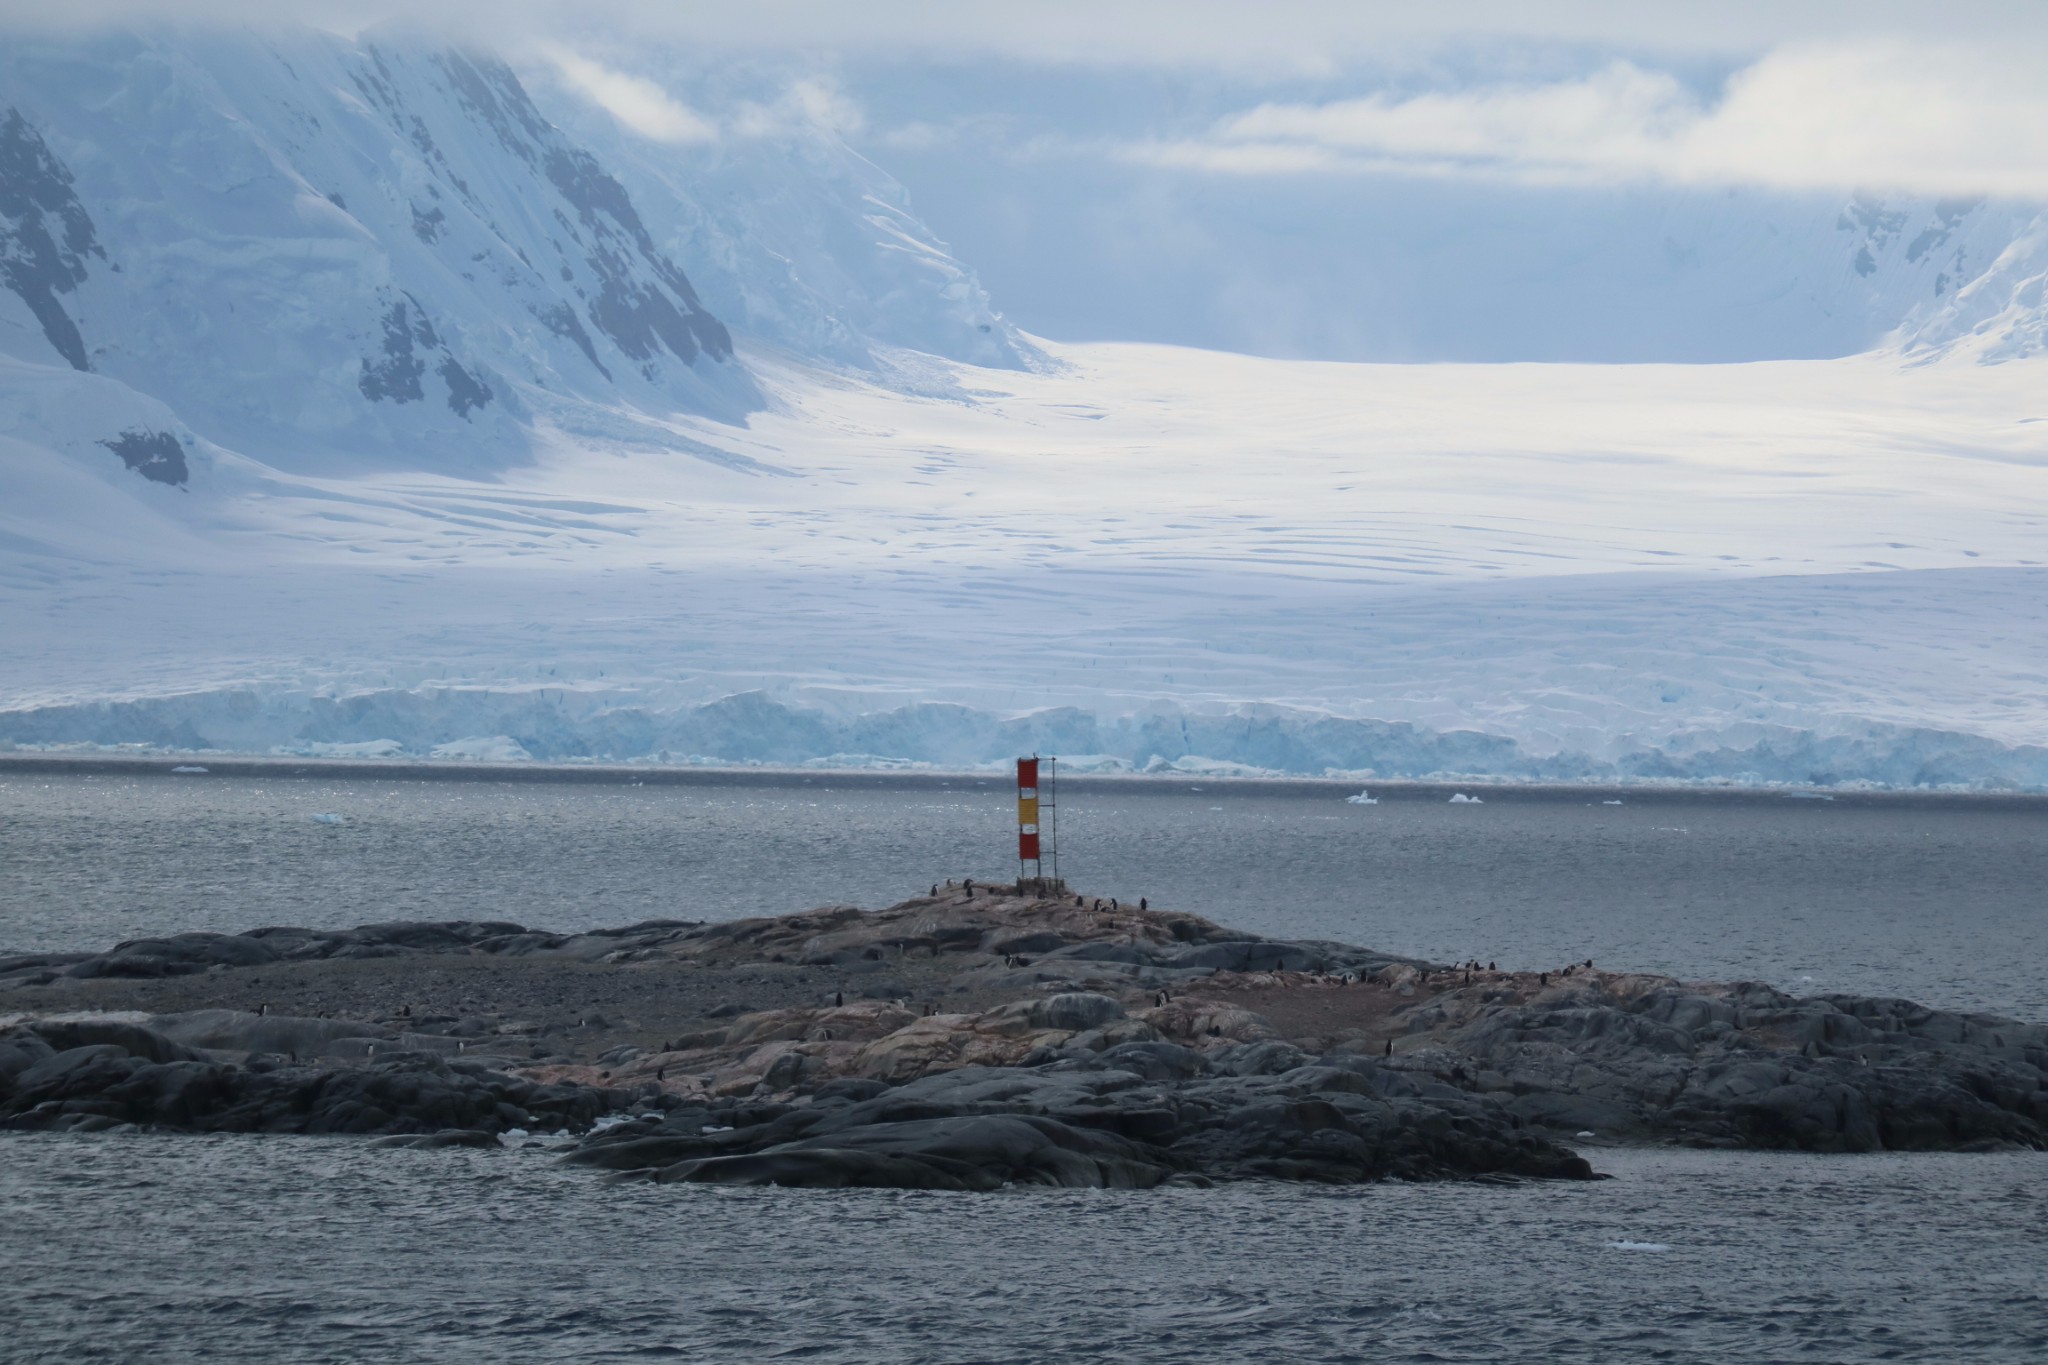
[{"x": 324, "y": 255}]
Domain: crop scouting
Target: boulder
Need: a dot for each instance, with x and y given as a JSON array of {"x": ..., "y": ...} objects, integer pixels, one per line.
[{"x": 241, "y": 1031}]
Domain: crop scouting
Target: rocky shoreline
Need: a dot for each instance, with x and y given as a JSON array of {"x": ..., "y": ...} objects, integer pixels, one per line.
[{"x": 971, "y": 1039}]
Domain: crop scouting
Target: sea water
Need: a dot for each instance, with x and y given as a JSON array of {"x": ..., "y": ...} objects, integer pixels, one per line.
[
  {"x": 1945, "y": 902},
  {"x": 306, "y": 1249},
  {"x": 167, "y": 1247}
]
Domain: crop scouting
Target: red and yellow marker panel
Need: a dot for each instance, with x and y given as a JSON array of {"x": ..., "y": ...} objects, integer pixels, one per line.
[{"x": 1027, "y": 809}]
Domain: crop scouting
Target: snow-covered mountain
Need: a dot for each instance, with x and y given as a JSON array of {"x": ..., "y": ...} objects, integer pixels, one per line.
[
  {"x": 2001, "y": 314},
  {"x": 369, "y": 396},
  {"x": 329, "y": 255},
  {"x": 793, "y": 238}
]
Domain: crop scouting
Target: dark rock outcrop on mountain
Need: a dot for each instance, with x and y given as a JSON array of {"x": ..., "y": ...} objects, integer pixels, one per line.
[{"x": 965, "y": 1040}]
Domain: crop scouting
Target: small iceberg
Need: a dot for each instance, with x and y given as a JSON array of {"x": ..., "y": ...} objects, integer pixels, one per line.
[
  {"x": 188, "y": 768},
  {"x": 1364, "y": 798},
  {"x": 326, "y": 817},
  {"x": 1638, "y": 1246},
  {"x": 1610, "y": 803},
  {"x": 1460, "y": 799}
]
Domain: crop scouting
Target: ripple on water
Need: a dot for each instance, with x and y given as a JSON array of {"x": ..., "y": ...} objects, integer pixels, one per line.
[{"x": 240, "y": 1248}]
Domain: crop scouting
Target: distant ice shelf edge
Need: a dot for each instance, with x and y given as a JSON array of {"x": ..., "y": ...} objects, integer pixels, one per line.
[{"x": 754, "y": 730}]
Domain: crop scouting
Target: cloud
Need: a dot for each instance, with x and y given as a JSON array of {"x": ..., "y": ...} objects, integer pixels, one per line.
[
  {"x": 1942, "y": 120},
  {"x": 640, "y": 104},
  {"x": 803, "y": 107},
  {"x": 808, "y": 105},
  {"x": 1296, "y": 35}
]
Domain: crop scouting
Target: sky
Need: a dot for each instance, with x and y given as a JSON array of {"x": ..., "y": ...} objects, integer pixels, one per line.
[
  {"x": 1648, "y": 183},
  {"x": 1318, "y": 178}
]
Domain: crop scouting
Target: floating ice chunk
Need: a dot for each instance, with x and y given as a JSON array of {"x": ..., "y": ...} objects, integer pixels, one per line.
[
  {"x": 610, "y": 1121},
  {"x": 1585, "y": 1132},
  {"x": 188, "y": 768},
  {"x": 517, "y": 1133},
  {"x": 1460, "y": 799},
  {"x": 1364, "y": 798},
  {"x": 1610, "y": 803},
  {"x": 1639, "y": 1246},
  {"x": 326, "y": 817}
]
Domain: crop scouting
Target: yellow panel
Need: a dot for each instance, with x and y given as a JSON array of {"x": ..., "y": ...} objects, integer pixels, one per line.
[{"x": 1027, "y": 810}]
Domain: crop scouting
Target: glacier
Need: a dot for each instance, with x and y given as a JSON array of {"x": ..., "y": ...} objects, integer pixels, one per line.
[{"x": 762, "y": 476}]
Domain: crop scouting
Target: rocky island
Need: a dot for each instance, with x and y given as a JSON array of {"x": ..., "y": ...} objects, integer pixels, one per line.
[{"x": 977, "y": 1037}]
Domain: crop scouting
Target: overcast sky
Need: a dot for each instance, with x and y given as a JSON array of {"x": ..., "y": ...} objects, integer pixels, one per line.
[
  {"x": 1944, "y": 98},
  {"x": 1273, "y": 176},
  {"x": 1307, "y": 33}
]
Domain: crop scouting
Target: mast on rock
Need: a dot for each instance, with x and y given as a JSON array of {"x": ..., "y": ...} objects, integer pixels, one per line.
[{"x": 1038, "y": 824}]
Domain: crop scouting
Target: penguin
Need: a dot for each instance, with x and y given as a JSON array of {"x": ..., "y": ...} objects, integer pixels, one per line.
[
  {"x": 1390, "y": 1048},
  {"x": 1143, "y": 904},
  {"x": 935, "y": 888},
  {"x": 1113, "y": 906},
  {"x": 839, "y": 999}
]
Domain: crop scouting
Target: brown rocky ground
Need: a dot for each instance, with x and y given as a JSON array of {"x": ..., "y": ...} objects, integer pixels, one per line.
[{"x": 779, "y": 1008}]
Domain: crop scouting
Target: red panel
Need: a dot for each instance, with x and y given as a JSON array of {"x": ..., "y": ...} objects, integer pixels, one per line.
[
  {"x": 1027, "y": 772},
  {"x": 1027, "y": 847}
]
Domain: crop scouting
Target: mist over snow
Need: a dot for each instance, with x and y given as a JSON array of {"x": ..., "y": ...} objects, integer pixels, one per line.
[{"x": 623, "y": 397}]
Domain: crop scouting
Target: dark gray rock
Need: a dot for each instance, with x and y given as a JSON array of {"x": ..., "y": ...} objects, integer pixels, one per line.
[
  {"x": 241, "y": 1031},
  {"x": 1155, "y": 1061},
  {"x": 1756, "y": 1068},
  {"x": 137, "y": 1041},
  {"x": 447, "y": 1137},
  {"x": 1088, "y": 1123},
  {"x": 1071, "y": 1012},
  {"x": 1258, "y": 1059},
  {"x": 121, "y": 1083}
]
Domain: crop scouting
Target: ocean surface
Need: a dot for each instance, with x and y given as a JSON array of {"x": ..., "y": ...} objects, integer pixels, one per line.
[
  {"x": 1941, "y": 901},
  {"x": 161, "y": 1247},
  {"x": 263, "y": 1249}
]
